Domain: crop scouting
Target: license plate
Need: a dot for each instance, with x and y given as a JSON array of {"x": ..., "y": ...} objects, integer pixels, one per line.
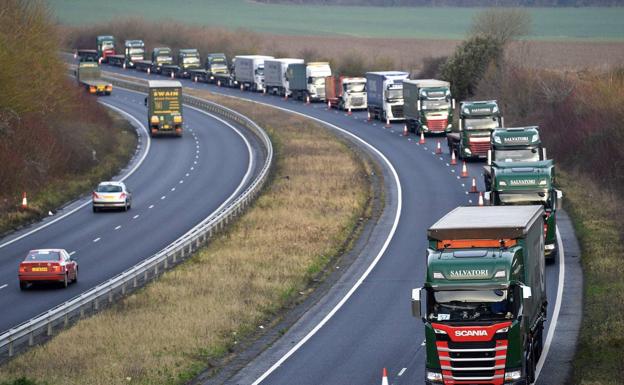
[
  {"x": 39, "y": 269},
  {"x": 109, "y": 197}
]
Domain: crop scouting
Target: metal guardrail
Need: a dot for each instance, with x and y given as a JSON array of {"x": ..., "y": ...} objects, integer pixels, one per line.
[{"x": 43, "y": 325}]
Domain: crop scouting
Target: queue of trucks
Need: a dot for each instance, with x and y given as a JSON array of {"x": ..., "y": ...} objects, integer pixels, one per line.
[{"x": 483, "y": 302}]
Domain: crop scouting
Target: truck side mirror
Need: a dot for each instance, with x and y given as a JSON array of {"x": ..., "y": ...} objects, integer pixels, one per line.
[
  {"x": 145, "y": 101},
  {"x": 526, "y": 292},
  {"x": 559, "y": 195},
  {"x": 453, "y": 103},
  {"x": 487, "y": 195},
  {"x": 489, "y": 157},
  {"x": 416, "y": 303},
  {"x": 418, "y": 105},
  {"x": 502, "y": 122},
  {"x": 460, "y": 125},
  {"x": 544, "y": 153}
]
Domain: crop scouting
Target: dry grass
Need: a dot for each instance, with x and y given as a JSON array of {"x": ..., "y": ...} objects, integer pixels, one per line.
[
  {"x": 174, "y": 327},
  {"x": 599, "y": 226}
]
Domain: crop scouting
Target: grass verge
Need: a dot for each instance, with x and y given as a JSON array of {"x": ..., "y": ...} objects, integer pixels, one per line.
[
  {"x": 62, "y": 190},
  {"x": 599, "y": 228},
  {"x": 175, "y": 327}
]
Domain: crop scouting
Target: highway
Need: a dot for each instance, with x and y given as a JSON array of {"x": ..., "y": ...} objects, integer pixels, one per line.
[
  {"x": 364, "y": 322},
  {"x": 176, "y": 183}
]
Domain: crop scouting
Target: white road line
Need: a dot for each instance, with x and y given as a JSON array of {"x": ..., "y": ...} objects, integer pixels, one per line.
[
  {"x": 402, "y": 371},
  {"x": 151, "y": 207},
  {"x": 118, "y": 227},
  {"x": 96, "y": 239},
  {"x": 373, "y": 263},
  {"x": 187, "y": 174},
  {"x": 87, "y": 202},
  {"x": 3, "y": 286},
  {"x": 173, "y": 189},
  {"x": 72, "y": 253},
  {"x": 192, "y": 168},
  {"x": 135, "y": 217},
  {"x": 553, "y": 322},
  {"x": 163, "y": 197}
]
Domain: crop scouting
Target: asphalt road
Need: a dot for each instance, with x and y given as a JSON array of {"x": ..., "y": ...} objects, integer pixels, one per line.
[
  {"x": 364, "y": 323},
  {"x": 177, "y": 183}
]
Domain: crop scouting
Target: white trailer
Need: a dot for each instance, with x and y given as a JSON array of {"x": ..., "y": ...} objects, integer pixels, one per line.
[
  {"x": 275, "y": 75},
  {"x": 250, "y": 71}
]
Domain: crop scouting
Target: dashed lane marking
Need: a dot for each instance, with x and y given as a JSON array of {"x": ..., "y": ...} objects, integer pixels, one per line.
[
  {"x": 163, "y": 197},
  {"x": 118, "y": 227},
  {"x": 72, "y": 253},
  {"x": 151, "y": 207},
  {"x": 3, "y": 286},
  {"x": 96, "y": 239},
  {"x": 135, "y": 217},
  {"x": 402, "y": 371}
]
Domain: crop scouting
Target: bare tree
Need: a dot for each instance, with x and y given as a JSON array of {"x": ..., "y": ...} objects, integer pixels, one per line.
[{"x": 501, "y": 24}]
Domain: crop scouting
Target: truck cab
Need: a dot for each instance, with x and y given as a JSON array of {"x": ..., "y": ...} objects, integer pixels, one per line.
[
  {"x": 164, "y": 107},
  {"x": 161, "y": 56},
  {"x": 105, "y": 47},
  {"x": 483, "y": 302},
  {"x": 188, "y": 59},
  {"x": 528, "y": 183},
  {"x": 428, "y": 105},
  {"x": 477, "y": 120},
  {"x": 346, "y": 93},
  {"x": 134, "y": 50},
  {"x": 216, "y": 63},
  {"x": 385, "y": 94},
  {"x": 275, "y": 78}
]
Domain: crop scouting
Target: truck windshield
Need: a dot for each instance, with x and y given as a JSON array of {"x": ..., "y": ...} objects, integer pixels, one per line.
[
  {"x": 161, "y": 59},
  {"x": 107, "y": 45},
  {"x": 524, "y": 198},
  {"x": 471, "y": 305},
  {"x": 260, "y": 71},
  {"x": 394, "y": 94},
  {"x": 488, "y": 123},
  {"x": 355, "y": 87},
  {"x": 435, "y": 105},
  {"x": 318, "y": 81},
  {"x": 136, "y": 51},
  {"x": 531, "y": 155},
  {"x": 190, "y": 60},
  {"x": 217, "y": 60}
]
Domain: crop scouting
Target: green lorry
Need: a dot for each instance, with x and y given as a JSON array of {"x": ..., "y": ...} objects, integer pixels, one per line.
[
  {"x": 105, "y": 47},
  {"x": 428, "y": 106},
  {"x": 188, "y": 59},
  {"x": 164, "y": 107},
  {"x": 214, "y": 65},
  {"x": 134, "y": 50},
  {"x": 477, "y": 119},
  {"x": 161, "y": 56},
  {"x": 484, "y": 296},
  {"x": 89, "y": 76}
]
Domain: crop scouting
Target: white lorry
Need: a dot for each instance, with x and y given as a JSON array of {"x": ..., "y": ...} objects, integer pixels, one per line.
[
  {"x": 308, "y": 80},
  {"x": 249, "y": 71},
  {"x": 275, "y": 75},
  {"x": 384, "y": 92}
]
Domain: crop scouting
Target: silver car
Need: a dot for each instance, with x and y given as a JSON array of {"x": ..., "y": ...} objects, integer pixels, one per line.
[{"x": 111, "y": 195}]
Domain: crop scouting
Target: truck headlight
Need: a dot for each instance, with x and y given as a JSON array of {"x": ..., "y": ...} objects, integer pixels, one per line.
[
  {"x": 513, "y": 375},
  {"x": 154, "y": 119},
  {"x": 177, "y": 119},
  {"x": 502, "y": 183},
  {"x": 424, "y": 127},
  {"x": 437, "y": 376},
  {"x": 467, "y": 150},
  {"x": 449, "y": 126},
  {"x": 497, "y": 139}
]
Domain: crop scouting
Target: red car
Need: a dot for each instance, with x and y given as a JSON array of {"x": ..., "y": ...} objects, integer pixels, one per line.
[{"x": 49, "y": 265}]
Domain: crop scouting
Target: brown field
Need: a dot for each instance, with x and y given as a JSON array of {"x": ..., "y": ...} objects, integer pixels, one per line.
[{"x": 174, "y": 327}]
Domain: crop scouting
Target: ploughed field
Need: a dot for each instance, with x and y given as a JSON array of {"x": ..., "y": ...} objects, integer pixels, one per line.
[{"x": 447, "y": 23}]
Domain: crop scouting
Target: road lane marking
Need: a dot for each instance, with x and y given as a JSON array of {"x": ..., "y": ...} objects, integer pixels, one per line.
[
  {"x": 135, "y": 217},
  {"x": 181, "y": 181},
  {"x": 402, "y": 371},
  {"x": 151, "y": 207},
  {"x": 163, "y": 197},
  {"x": 72, "y": 253},
  {"x": 173, "y": 189},
  {"x": 96, "y": 239},
  {"x": 3, "y": 286},
  {"x": 118, "y": 227}
]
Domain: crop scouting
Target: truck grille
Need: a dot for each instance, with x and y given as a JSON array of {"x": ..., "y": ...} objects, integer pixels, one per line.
[
  {"x": 357, "y": 102},
  {"x": 473, "y": 362},
  {"x": 397, "y": 111},
  {"x": 437, "y": 125},
  {"x": 479, "y": 146}
]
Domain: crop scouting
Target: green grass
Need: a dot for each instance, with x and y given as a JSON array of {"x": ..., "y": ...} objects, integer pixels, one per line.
[{"x": 426, "y": 23}]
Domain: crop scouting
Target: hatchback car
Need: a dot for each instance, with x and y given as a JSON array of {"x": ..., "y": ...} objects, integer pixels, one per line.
[
  {"x": 47, "y": 265},
  {"x": 111, "y": 195}
]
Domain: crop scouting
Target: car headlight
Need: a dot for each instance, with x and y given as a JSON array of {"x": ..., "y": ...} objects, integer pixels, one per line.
[
  {"x": 513, "y": 375},
  {"x": 437, "y": 376}
]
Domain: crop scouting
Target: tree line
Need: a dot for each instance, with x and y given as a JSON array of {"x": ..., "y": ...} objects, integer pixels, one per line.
[{"x": 454, "y": 3}]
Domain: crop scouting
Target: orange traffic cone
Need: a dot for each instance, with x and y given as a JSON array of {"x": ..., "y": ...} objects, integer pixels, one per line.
[
  {"x": 384, "y": 377},
  {"x": 453, "y": 159},
  {"x": 388, "y": 123},
  {"x": 438, "y": 149},
  {"x": 473, "y": 188},
  {"x": 464, "y": 170},
  {"x": 24, "y": 200},
  {"x": 349, "y": 111},
  {"x": 480, "y": 199},
  {"x": 405, "y": 132},
  {"x": 422, "y": 138}
]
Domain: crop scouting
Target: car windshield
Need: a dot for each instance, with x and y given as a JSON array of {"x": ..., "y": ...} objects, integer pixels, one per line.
[
  {"x": 471, "y": 305},
  {"x": 524, "y": 198},
  {"x": 190, "y": 60},
  {"x": 431, "y": 105},
  {"x": 481, "y": 124},
  {"x": 394, "y": 94},
  {"x": 531, "y": 155},
  {"x": 109, "y": 188},
  {"x": 136, "y": 51},
  {"x": 355, "y": 87},
  {"x": 42, "y": 255}
]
